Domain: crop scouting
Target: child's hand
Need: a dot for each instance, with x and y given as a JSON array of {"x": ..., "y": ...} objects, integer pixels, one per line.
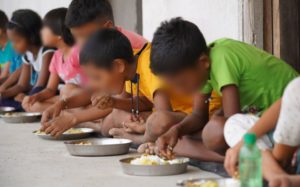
[
  {"x": 25, "y": 104},
  {"x": 231, "y": 160},
  {"x": 102, "y": 101},
  {"x": 167, "y": 142},
  {"x": 135, "y": 126},
  {"x": 59, "y": 125},
  {"x": 2, "y": 89},
  {"x": 280, "y": 181},
  {"x": 147, "y": 148},
  {"x": 52, "y": 111},
  {"x": 28, "y": 101},
  {"x": 20, "y": 97}
]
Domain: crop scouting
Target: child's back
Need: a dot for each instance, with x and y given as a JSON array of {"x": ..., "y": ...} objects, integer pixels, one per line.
[{"x": 259, "y": 76}]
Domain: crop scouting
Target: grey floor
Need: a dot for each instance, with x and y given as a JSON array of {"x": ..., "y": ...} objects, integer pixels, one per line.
[{"x": 26, "y": 160}]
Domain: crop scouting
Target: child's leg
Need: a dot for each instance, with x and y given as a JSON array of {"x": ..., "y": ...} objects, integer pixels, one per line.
[
  {"x": 41, "y": 106},
  {"x": 159, "y": 122},
  {"x": 238, "y": 125},
  {"x": 213, "y": 136},
  {"x": 156, "y": 124},
  {"x": 69, "y": 90},
  {"x": 116, "y": 119}
]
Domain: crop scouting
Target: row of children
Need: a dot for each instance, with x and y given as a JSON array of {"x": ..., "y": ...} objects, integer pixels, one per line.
[{"x": 174, "y": 95}]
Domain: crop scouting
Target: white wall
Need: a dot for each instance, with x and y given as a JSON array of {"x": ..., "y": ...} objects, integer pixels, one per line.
[
  {"x": 124, "y": 10},
  {"x": 40, "y": 6},
  {"x": 125, "y": 13},
  {"x": 215, "y": 18}
]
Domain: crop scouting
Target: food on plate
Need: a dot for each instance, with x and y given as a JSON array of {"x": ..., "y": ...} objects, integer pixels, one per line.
[
  {"x": 83, "y": 143},
  {"x": 9, "y": 114},
  {"x": 154, "y": 160},
  {"x": 209, "y": 183},
  {"x": 70, "y": 131}
]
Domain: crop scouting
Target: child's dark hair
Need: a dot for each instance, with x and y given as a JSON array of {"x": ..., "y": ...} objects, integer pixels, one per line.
[
  {"x": 3, "y": 20},
  {"x": 81, "y": 12},
  {"x": 176, "y": 44},
  {"x": 28, "y": 24},
  {"x": 104, "y": 46},
  {"x": 55, "y": 20}
]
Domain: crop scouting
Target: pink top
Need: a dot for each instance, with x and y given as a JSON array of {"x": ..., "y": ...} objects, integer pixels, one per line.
[
  {"x": 69, "y": 71},
  {"x": 136, "y": 40}
]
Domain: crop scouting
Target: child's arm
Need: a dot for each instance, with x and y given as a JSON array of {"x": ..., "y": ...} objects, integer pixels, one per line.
[
  {"x": 44, "y": 73},
  {"x": 23, "y": 84},
  {"x": 5, "y": 70},
  {"x": 64, "y": 122},
  {"x": 122, "y": 102},
  {"x": 12, "y": 79},
  {"x": 190, "y": 124},
  {"x": 46, "y": 93},
  {"x": 266, "y": 123}
]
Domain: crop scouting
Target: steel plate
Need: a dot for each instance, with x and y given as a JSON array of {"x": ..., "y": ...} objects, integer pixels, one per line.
[
  {"x": 222, "y": 182},
  {"x": 22, "y": 117},
  {"x": 153, "y": 170},
  {"x": 6, "y": 109},
  {"x": 99, "y": 147},
  {"x": 86, "y": 132}
]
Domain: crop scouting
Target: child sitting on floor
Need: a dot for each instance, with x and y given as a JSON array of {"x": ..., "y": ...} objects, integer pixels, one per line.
[
  {"x": 64, "y": 64},
  {"x": 24, "y": 33},
  {"x": 10, "y": 61},
  {"x": 247, "y": 78},
  {"x": 284, "y": 117},
  {"x": 84, "y": 17},
  {"x": 108, "y": 60}
]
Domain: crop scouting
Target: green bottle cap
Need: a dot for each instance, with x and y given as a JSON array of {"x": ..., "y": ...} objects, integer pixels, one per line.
[{"x": 250, "y": 138}]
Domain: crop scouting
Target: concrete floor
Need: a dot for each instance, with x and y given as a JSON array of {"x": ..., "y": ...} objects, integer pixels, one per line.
[{"x": 26, "y": 160}]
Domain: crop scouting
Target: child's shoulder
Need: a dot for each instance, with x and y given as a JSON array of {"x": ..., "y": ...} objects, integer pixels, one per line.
[
  {"x": 45, "y": 50},
  {"x": 225, "y": 44}
]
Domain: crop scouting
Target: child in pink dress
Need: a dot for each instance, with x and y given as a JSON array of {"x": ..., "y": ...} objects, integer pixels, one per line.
[{"x": 64, "y": 66}]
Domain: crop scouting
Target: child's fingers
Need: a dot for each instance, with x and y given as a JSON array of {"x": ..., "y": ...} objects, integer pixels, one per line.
[
  {"x": 57, "y": 134},
  {"x": 142, "y": 148},
  {"x": 54, "y": 131},
  {"x": 44, "y": 126},
  {"x": 49, "y": 129},
  {"x": 45, "y": 117}
]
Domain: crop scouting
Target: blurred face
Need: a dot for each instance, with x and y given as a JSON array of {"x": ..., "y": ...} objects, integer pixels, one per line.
[
  {"x": 82, "y": 33},
  {"x": 189, "y": 80},
  {"x": 20, "y": 43},
  {"x": 110, "y": 81},
  {"x": 49, "y": 38}
]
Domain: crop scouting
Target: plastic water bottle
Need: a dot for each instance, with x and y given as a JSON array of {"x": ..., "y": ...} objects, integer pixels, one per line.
[{"x": 250, "y": 163}]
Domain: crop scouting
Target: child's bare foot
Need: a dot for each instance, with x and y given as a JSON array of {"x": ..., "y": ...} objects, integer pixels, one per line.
[
  {"x": 147, "y": 148},
  {"x": 121, "y": 133},
  {"x": 138, "y": 127}
]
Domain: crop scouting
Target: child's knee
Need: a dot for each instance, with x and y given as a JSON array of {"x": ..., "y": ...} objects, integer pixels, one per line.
[
  {"x": 157, "y": 124},
  {"x": 109, "y": 122},
  {"x": 236, "y": 126},
  {"x": 68, "y": 90},
  {"x": 212, "y": 134}
]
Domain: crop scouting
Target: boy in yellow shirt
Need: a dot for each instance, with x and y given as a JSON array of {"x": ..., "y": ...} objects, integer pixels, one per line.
[{"x": 107, "y": 58}]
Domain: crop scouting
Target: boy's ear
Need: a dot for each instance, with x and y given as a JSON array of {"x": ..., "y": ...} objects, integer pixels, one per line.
[
  {"x": 119, "y": 65},
  {"x": 109, "y": 24},
  {"x": 204, "y": 61}
]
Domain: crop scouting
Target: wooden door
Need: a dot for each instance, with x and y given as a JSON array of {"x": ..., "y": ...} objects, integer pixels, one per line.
[{"x": 282, "y": 30}]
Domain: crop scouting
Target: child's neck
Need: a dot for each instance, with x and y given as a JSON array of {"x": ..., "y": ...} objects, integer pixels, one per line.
[
  {"x": 34, "y": 50},
  {"x": 3, "y": 40},
  {"x": 64, "y": 48},
  {"x": 131, "y": 70}
]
